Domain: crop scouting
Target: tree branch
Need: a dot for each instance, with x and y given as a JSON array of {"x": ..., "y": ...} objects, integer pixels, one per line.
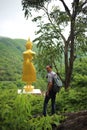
[
  {"x": 46, "y": 11},
  {"x": 81, "y": 6},
  {"x": 83, "y": 3},
  {"x": 66, "y": 8},
  {"x": 75, "y": 8}
]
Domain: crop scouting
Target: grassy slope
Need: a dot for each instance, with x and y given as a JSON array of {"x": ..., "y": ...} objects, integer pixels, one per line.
[{"x": 11, "y": 58}]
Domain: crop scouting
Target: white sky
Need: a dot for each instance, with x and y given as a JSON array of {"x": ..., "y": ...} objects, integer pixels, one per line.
[{"x": 13, "y": 24}]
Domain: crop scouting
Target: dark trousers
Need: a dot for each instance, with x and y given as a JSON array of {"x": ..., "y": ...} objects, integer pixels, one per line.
[{"x": 51, "y": 96}]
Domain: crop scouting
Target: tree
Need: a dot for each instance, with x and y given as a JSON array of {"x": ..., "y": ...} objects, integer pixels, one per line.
[
  {"x": 76, "y": 18},
  {"x": 50, "y": 47}
]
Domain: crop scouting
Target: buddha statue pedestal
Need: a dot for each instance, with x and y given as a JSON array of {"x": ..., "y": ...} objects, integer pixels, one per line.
[
  {"x": 33, "y": 92},
  {"x": 28, "y": 88}
]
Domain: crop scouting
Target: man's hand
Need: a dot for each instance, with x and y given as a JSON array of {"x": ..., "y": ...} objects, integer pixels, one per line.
[{"x": 47, "y": 93}]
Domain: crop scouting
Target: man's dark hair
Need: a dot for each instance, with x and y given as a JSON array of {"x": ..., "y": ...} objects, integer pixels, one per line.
[{"x": 50, "y": 66}]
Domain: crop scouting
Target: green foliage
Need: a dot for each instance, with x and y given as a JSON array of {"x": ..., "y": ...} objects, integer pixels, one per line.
[
  {"x": 15, "y": 110},
  {"x": 72, "y": 100},
  {"x": 45, "y": 123},
  {"x": 36, "y": 105},
  {"x": 80, "y": 73},
  {"x": 80, "y": 80},
  {"x": 41, "y": 123},
  {"x": 34, "y": 4},
  {"x": 11, "y": 58},
  {"x": 7, "y": 84},
  {"x": 24, "y": 111},
  {"x": 41, "y": 84},
  {"x": 49, "y": 47}
]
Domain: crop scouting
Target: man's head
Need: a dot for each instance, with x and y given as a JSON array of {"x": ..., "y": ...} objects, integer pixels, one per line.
[{"x": 49, "y": 68}]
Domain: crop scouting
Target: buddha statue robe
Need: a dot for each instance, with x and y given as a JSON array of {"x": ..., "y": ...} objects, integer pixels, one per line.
[{"x": 29, "y": 72}]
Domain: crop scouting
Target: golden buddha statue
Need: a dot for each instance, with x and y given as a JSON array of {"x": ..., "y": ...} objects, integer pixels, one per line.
[{"x": 29, "y": 72}]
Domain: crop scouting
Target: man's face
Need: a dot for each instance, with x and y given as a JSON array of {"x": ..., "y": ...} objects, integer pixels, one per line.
[{"x": 48, "y": 68}]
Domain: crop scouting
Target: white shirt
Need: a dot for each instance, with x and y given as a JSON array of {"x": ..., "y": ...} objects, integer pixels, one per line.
[{"x": 50, "y": 76}]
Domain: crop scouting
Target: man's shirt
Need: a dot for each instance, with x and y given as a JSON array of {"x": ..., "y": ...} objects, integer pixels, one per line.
[{"x": 50, "y": 76}]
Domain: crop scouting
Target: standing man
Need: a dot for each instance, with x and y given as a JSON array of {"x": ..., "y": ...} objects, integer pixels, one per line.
[{"x": 50, "y": 94}]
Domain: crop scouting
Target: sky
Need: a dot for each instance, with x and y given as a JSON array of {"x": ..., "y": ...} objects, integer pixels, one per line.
[{"x": 13, "y": 24}]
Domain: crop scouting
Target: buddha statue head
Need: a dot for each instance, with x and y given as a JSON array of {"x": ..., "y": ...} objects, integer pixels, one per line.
[{"x": 29, "y": 44}]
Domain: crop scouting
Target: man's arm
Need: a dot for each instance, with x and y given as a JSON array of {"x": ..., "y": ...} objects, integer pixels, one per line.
[
  {"x": 50, "y": 83},
  {"x": 49, "y": 86}
]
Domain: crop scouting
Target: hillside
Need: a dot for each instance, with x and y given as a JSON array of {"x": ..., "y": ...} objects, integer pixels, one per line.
[
  {"x": 23, "y": 111},
  {"x": 11, "y": 58}
]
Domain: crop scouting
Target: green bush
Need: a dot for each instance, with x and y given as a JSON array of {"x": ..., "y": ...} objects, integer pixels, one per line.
[
  {"x": 40, "y": 84},
  {"x": 71, "y": 100},
  {"x": 79, "y": 78},
  {"x": 18, "y": 112},
  {"x": 24, "y": 111},
  {"x": 15, "y": 110}
]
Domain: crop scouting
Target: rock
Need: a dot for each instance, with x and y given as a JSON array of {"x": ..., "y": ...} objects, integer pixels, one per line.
[{"x": 74, "y": 121}]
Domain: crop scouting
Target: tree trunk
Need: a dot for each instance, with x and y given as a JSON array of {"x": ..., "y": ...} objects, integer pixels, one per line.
[
  {"x": 66, "y": 65},
  {"x": 69, "y": 57}
]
